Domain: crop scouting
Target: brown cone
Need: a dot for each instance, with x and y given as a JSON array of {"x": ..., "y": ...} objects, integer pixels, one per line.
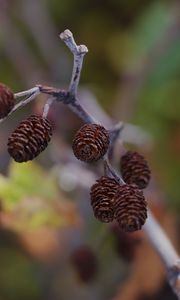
[
  {"x": 135, "y": 169},
  {"x": 102, "y": 198},
  {"x": 7, "y": 100},
  {"x": 30, "y": 138},
  {"x": 84, "y": 261},
  {"x": 90, "y": 142},
  {"x": 130, "y": 208}
]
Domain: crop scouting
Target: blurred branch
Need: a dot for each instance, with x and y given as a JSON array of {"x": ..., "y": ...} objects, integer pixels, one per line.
[
  {"x": 17, "y": 50},
  {"x": 37, "y": 17},
  {"x": 166, "y": 251}
]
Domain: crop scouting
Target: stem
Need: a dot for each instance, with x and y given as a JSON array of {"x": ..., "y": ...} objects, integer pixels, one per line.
[
  {"x": 77, "y": 108},
  {"x": 69, "y": 100},
  {"x": 27, "y": 93},
  {"x": 47, "y": 106},
  {"x": 78, "y": 53},
  {"x": 31, "y": 97},
  {"x": 110, "y": 170}
]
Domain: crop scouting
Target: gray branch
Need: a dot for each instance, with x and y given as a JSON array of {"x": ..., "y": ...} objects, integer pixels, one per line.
[
  {"x": 78, "y": 54},
  {"x": 29, "y": 96}
]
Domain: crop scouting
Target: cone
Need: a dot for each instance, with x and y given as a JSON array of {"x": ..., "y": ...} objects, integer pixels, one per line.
[
  {"x": 30, "y": 138},
  {"x": 102, "y": 198},
  {"x": 84, "y": 261},
  {"x": 90, "y": 142},
  {"x": 7, "y": 100},
  {"x": 130, "y": 208},
  {"x": 135, "y": 169}
]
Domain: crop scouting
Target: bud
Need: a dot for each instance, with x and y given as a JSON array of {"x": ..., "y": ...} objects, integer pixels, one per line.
[
  {"x": 7, "y": 100},
  {"x": 90, "y": 142},
  {"x": 135, "y": 169},
  {"x": 130, "y": 208},
  {"x": 102, "y": 198},
  {"x": 30, "y": 138}
]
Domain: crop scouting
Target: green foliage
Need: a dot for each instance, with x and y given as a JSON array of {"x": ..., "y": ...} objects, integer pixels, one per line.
[
  {"x": 30, "y": 194},
  {"x": 27, "y": 179}
]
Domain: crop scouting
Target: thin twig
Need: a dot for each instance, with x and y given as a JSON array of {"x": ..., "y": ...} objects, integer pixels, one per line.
[
  {"x": 22, "y": 103},
  {"x": 47, "y": 106},
  {"x": 78, "y": 54},
  {"x": 77, "y": 108},
  {"x": 110, "y": 170},
  {"x": 27, "y": 93}
]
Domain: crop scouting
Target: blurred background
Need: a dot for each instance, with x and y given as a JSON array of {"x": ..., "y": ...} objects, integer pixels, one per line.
[{"x": 51, "y": 246}]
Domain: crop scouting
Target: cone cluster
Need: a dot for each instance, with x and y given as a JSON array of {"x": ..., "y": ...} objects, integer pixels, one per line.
[
  {"x": 90, "y": 142},
  {"x": 7, "y": 100},
  {"x": 135, "y": 169},
  {"x": 123, "y": 203},
  {"x": 30, "y": 138}
]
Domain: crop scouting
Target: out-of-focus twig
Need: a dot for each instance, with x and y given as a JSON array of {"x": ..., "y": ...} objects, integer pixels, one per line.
[
  {"x": 17, "y": 50},
  {"x": 36, "y": 16},
  {"x": 166, "y": 251}
]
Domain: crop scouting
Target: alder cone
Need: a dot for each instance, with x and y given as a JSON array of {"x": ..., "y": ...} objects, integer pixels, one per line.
[
  {"x": 90, "y": 142},
  {"x": 130, "y": 208},
  {"x": 7, "y": 100},
  {"x": 84, "y": 261},
  {"x": 102, "y": 198},
  {"x": 135, "y": 169},
  {"x": 30, "y": 138}
]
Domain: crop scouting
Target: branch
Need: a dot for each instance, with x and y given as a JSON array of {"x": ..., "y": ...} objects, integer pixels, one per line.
[
  {"x": 78, "y": 53},
  {"x": 109, "y": 170},
  {"x": 27, "y": 93},
  {"x": 47, "y": 106},
  {"x": 30, "y": 95},
  {"x": 71, "y": 101}
]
